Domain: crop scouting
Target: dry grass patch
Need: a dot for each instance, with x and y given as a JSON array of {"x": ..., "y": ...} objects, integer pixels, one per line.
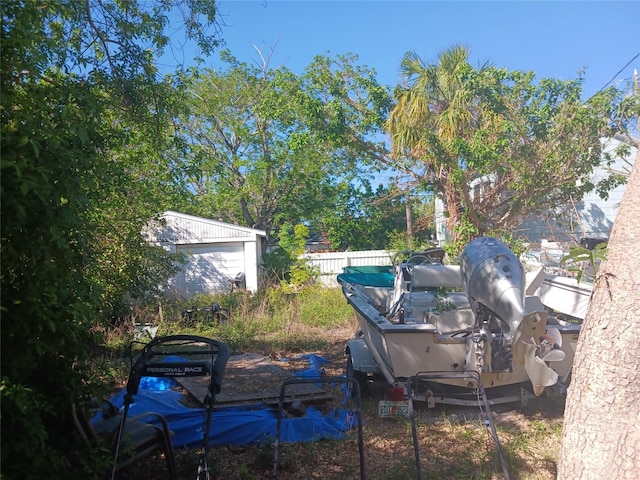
[{"x": 454, "y": 443}]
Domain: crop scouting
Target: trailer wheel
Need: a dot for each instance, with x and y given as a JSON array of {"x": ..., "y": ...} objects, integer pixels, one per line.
[{"x": 357, "y": 375}]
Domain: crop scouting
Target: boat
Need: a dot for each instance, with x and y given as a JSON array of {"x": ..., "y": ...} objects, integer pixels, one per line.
[{"x": 424, "y": 319}]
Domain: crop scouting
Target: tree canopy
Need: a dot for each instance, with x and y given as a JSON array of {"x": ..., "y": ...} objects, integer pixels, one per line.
[
  {"x": 366, "y": 219},
  {"x": 497, "y": 145},
  {"x": 264, "y": 146}
]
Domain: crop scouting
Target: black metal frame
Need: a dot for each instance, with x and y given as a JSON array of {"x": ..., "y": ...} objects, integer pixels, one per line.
[
  {"x": 355, "y": 388},
  {"x": 143, "y": 436},
  {"x": 216, "y": 354}
]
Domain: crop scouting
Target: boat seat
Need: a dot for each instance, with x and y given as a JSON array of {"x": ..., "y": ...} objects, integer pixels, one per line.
[
  {"x": 419, "y": 305},
  {"x": 431, "y": 300},
  {"x": 416, "y": 306},
  {"x": 425, "y": 276},
  {"x": 422, "y": 301}
]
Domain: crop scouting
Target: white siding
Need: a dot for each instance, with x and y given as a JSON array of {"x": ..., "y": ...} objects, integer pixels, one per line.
[
  {"x": 597, "y": 215},
  {"x": 209, "y": 267},
  {"x": 183, "y": 229},
  {"x": 216, "y": 252}
]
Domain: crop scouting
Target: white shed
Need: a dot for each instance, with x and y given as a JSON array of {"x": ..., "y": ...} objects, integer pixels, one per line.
[{"x": 216, "y": 252}]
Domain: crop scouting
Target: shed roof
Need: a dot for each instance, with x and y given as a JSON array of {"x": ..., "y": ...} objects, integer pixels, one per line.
[{"x": 184, "y": 228}]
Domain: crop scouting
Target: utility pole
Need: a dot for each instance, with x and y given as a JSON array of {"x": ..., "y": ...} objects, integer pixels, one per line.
[{"x": 407, "y": 208}]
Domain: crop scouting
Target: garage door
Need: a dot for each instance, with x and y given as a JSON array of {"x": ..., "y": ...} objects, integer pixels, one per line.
[{"x": 209, "y": 267}]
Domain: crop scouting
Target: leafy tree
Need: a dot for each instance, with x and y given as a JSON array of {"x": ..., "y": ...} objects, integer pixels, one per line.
[
  {"x": 582, "y": 260},
  {"x": 79, "y": 92},
  {"x": 292, "y": 241},
  {"x": 284, "y": 265},
  {"x": 496, "y": 146},
  {"x": 617, "y": 175},
  {"x": 364, "y": 219},
  {"x": 267, "y": 146}
]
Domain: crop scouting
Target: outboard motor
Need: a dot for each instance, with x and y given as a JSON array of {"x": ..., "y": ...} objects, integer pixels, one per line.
[{"x": 493, "y": 280}]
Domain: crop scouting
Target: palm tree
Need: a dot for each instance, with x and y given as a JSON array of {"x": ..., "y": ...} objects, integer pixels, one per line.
[{"x": 435, "y": 105}]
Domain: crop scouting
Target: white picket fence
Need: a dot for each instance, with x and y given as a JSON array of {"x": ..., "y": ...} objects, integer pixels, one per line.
[{"x": 331, "y": 264}]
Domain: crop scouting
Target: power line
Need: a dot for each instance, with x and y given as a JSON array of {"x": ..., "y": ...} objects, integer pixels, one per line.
[{"x": 618, "y": 72}]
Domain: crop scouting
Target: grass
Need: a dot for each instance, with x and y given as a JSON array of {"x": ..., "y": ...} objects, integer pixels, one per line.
[
  {"x": 273, "y": 320},
  {"x": 318, "y": 320}
]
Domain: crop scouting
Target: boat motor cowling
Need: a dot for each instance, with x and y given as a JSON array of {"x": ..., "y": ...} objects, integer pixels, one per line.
[{"x": 493, "y": 277}]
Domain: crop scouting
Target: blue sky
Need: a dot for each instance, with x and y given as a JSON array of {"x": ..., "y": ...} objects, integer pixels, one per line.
[{"x": 551, "y": 38}]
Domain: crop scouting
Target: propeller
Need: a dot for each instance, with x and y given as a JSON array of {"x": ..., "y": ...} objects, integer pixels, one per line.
[
  {"x": 539, "y": 373},
  {"x": 535, "y": 355},
  {"x": 553, "y": 337},
  {"x": 549, "y": 346}
]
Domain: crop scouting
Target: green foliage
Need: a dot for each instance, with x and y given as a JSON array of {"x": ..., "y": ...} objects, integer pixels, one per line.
[
  {"x": 617, "y": 163},
  {"x": 263, "y": 146},
  {"x": 323, "y": 307},
  {"x": 81, "y": 128},
  {"x": 127, "y": 267},
  {"x": 292, "y": 241},
  {"x": 271, "y": 320},
  {"x": 364, "y": 219},
  {"x": 276, "y": 264},
  {"x": 581, "y": 260},
  {"x": 465, "y": 231},
  {"x": 293, "y": 238},
  {"x": 284, "y": 264},
  {"x": 443, "y": 304},
  {"x": 400, "y": 242},
  {"x": 516, "y": 245},
  {"x": 497, "y": 145}
]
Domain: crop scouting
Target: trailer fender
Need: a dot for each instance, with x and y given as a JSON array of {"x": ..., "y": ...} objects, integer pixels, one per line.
[{"x": 358, "y": 354}]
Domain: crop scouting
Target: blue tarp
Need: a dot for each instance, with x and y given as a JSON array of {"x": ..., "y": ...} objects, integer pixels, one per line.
[{"x": 235, "y": 425}]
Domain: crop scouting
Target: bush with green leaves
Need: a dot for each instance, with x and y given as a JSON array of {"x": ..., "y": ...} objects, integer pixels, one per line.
[
  {"x": 81, "y": 136},
  {"x": 284, "y": 265},
  {"x": 583, "y": 261}
]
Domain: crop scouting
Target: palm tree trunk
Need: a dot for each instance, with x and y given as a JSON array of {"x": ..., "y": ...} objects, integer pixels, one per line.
[
  {"x": 452, "y": 200},
  {"x": 409, "y": 217}
]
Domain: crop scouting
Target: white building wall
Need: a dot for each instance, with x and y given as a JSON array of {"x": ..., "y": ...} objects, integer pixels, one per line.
[
  {"x": 442, "y": 236},
  {"x": 252, "y": 262},
  {"x": 182, "y": 228},
  {"x": 218, "y": 252},
  {"x": 595, "y": 215}
]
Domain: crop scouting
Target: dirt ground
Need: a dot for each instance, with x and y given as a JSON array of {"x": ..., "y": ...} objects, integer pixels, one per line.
[{"x": 454, "y": 443}]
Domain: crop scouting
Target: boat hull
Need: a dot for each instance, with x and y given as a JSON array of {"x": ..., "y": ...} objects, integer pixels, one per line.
[{"x": 404, "y": 350}]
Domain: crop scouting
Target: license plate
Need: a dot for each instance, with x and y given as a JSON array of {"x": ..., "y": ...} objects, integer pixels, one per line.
[{"x": 388, "y": 408}]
